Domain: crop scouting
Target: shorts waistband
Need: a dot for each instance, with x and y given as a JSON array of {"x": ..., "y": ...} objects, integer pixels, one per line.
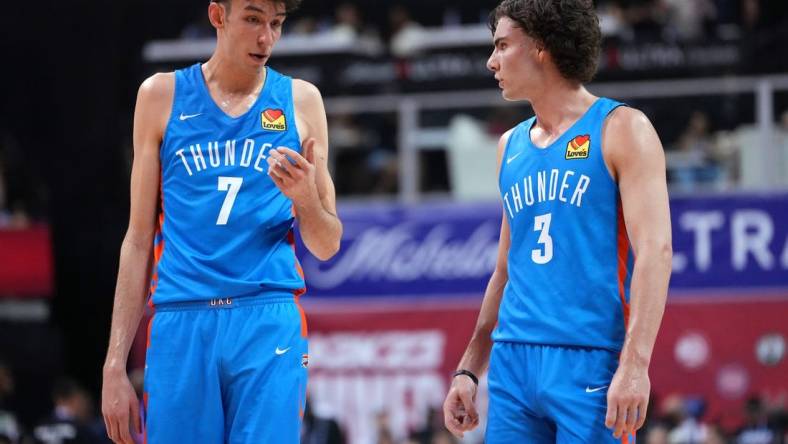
[{"x": 227, "y": 303}]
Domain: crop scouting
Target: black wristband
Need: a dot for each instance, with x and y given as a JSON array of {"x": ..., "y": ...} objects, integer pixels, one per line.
[{"x": 467, "y": 373}]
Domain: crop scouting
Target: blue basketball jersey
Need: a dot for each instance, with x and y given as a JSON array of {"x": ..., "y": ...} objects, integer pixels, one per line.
[
  {"x": 569, "y": 261},
  {"x": 225, "y": 229}
]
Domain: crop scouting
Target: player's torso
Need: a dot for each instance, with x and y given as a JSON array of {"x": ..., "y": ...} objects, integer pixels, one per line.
[
  {"x": 225, "y": 228},
  {"x": 568, "y": 250}
]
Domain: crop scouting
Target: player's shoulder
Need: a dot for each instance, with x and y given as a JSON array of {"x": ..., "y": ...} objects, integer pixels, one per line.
[
  {"x": 159, "y": 87},
  {"x": 154, "y": 102},
  {"x": 628, "y": 132},
  {"x": 624, "y": 121},
  {"x": 305, "y": 92}
]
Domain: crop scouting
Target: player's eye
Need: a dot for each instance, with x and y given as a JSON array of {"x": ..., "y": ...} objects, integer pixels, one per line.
[
  {"x": 276, "y": 24},
  {"x": 252, "y": 19}
]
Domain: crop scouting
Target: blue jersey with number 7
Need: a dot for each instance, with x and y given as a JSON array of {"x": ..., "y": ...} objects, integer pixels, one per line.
[
  {"x": 224, "y": 228},
  {"x": 570, "y": 262}
]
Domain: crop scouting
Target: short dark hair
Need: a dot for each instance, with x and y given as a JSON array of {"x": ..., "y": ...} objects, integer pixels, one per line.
[
  {"x": 290, "y": 5},
  {"x": 568, "y": 29}
]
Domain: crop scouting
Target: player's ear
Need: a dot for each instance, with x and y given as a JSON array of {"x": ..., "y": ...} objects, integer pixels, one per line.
[
  {"x": 217, "y": 14},
  {"x": 541, "y": 53}
]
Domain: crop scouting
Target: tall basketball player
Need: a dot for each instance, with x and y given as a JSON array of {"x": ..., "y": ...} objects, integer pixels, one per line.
[
  {"x": 228, "y": 154},
  {"x": 584, "y": 260}
]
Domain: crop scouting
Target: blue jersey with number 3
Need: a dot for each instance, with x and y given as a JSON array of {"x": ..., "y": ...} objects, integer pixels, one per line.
[
  {"x": 224, "y": 228},
  {"x": 569, "y": 262}
]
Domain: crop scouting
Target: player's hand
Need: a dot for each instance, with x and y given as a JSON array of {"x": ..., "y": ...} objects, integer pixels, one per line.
[
  {"x": 119, "y": 407},
  {"x": 459, "y": 408},
  {"x": 627, "y": 400},
  {"x": 295, "y": 179}
]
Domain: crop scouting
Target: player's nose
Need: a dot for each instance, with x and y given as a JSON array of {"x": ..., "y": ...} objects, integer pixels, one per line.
[
  {"x": 266, "y": 36},
  {"x": 492, "y": 63}
]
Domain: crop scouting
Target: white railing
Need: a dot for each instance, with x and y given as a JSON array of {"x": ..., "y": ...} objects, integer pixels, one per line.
[{"x": 409, "y": 106}]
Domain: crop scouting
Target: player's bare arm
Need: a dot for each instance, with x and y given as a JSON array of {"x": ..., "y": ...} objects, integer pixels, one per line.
[
  {"x": 119, "y": 404},
  {"x": 459, "y": 408},
  {"x": 307, "y": 181},
  {"x": 635, "y": 157}
]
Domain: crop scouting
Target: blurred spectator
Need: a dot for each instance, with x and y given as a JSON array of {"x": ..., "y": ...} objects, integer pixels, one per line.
[
  {"x": 612, "y": 22},
  {"x": 9, "y": 425},
  {"x": 72, "y": 421},
  {"x": 715, "y": 435},
  {"x": 406, "y": 34},
  {"x": 685, "y": 414},
  {"x": 778, "y": 421},
  {"x": 750, "y": 15},
  {"x": 756, "y": 428},
  {"x": 442, "y": 436},
  {"x": 317, "y": 430},
  {"x": 303, "y": 26},
  {"x": 643, "y": 17},
  {"x": 694, "y": 161},
  {"x": 433, "y": 424},
  {"x": 687, "y": 20},
  {"x": 362, "y": 145},
  {"x": 657, "y": 434},
  {"x": 383, "y": 429},
  {"x": 348, "y": 25}
]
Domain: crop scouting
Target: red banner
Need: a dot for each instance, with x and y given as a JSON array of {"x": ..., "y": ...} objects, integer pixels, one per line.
[
  {"x": 26, "y": 263},
  {"x": 367, "y": 358},
  {"x": 393, "y": 358},
  {"x": 723, "y": 352}
]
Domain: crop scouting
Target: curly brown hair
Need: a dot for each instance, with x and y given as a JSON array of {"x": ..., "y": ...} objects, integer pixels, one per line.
[
  {"x": 568, "y": 29},
  {"x": 290, "y": 5}
]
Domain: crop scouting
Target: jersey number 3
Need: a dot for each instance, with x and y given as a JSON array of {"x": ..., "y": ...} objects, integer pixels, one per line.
[
  {"x": 542, "y": 225},
  {"x": 232, "y": 185}
]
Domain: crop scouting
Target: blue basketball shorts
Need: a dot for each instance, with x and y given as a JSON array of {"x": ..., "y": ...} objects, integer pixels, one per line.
[
  {"x": 547, "y": 394},
  {"x": 226, "y": 371}
]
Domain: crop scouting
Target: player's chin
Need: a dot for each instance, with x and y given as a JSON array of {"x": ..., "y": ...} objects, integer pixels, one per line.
[{"x": 511, "y": 96}]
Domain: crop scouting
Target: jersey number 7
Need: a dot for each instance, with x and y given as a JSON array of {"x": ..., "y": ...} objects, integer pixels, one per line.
[{"x": 232, "y": 185}]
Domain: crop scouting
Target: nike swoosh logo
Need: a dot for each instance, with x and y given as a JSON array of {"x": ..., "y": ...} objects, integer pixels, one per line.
[
  {"x": 279, "y": 351},
  {"x": 189, "y": 116},
  {"x": 592, "y": 390},
  {"x": 510, "y": 159}
]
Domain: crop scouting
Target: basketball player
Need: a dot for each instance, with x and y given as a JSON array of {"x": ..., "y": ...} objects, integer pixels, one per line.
[
  {"x": 584, "y": 260},
  {"x": 227, "y": 155}
]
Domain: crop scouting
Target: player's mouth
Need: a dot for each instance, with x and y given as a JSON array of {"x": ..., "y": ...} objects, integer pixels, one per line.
[{"x": 257, "y": 57}]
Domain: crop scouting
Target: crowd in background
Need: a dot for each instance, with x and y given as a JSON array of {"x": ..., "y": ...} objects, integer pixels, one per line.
[
  {"x": 74, "y": 419},
  {"x": 704, "y": 146},
  {"x": 627, "y": 20}
]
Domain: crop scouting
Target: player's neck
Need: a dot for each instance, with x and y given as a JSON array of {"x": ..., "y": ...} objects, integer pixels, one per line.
[
  {"x": 230, "y": 77},
  {"x": 560, "y": 106}
]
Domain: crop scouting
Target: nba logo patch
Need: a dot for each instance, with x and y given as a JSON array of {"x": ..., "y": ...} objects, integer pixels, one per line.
[
  {"x": 304, "y": 360},
  {"x": 273, "y": 120},
  {"x": 578, "y": 147}
]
